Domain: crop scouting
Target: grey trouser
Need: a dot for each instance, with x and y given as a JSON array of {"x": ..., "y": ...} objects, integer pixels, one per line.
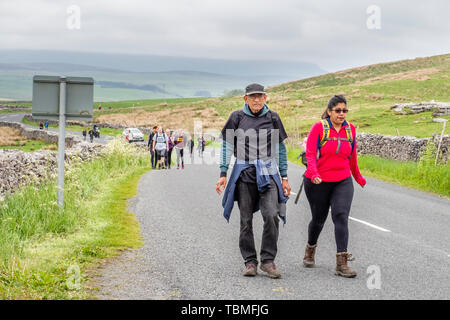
[
  {"x": 247, "y": 195},
  {"x": 179, "y": 156}
]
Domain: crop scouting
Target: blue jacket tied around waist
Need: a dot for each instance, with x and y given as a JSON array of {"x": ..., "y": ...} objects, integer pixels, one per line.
[{"x": 265, "y": 170}]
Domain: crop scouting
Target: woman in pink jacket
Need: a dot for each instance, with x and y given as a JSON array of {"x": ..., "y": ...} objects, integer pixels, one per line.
[{"x": 332, "y": 160}]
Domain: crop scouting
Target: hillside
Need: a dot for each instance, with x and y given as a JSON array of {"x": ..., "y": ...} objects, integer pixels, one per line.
[
  {"x": 370, "y": 90},
  {"x": 124, "y": 77}
]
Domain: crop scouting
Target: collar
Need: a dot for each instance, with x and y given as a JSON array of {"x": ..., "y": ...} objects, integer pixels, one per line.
[
  {"x": 248, "y": 112},
  {"x": 344, "y": 124}
]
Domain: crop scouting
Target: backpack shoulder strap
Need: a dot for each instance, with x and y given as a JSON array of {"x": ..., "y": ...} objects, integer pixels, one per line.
[
  {"x": 348, "y": 129},
  {"x": 325, "y": 132},
  {"x": 240, "y": 115},
  {"x": 350, "y": 138},
  {"x": 324, "y": 138},
  {"x": 274, "y": 120}
]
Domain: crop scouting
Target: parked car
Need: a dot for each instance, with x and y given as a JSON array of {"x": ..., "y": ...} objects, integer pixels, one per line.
[{"x": 132, "y": 135}]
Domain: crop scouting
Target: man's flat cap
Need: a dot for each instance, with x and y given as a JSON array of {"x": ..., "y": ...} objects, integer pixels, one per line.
[{"x": 254, "y": 88}]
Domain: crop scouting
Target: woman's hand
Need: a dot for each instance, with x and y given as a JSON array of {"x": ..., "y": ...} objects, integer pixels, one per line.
[{"x": 317, "y": 180}]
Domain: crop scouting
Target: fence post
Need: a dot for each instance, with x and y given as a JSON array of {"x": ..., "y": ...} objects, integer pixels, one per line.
[{"x": 439, "y": 145}]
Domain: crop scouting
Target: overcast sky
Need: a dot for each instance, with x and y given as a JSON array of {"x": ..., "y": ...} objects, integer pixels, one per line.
[{"x": 331, "y": 33}]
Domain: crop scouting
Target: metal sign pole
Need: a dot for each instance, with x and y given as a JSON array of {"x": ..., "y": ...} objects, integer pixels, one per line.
[
  {"x": 62, "y": 98},
  {"x": 61, "y": 140}
]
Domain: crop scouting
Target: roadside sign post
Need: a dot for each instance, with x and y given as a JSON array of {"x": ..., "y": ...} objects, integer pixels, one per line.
[
  {"x": 62, "y": 98},
  {"x": 61, "y": 140}
]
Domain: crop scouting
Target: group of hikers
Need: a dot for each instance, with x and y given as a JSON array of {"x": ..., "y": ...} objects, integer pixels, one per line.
[
  {"x": 162, "y": 142},
  {"x": 43, "y": 125},
  {"x": 94, "y": 132},
  {"x": 259, "y": 179}
]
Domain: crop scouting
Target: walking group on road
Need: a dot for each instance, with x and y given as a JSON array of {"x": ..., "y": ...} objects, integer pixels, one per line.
[
  {"x": 161, "y": 144},
  {"x": 259, "y": 179}
]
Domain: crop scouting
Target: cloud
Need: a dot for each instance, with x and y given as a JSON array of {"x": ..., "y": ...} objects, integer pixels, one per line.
[{"x": 331, "y": 33}]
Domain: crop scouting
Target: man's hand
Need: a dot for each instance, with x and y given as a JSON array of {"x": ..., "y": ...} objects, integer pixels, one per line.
[
  {"x": 221, "y": 184},
  {"x": 286, "y": 187}
]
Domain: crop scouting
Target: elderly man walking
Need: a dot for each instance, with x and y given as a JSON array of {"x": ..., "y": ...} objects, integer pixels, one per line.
[{"x": 255, "y": 135}]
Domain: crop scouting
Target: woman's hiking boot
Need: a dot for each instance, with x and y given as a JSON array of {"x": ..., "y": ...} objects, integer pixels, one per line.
[
  {"x": 308, "y": 260},
  {"x": 342, "y": 269}
]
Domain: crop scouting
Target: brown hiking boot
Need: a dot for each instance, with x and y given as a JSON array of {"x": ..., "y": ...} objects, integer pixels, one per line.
[
  {"x": 250, "y": 270},
  {"x": 342, "y": 269},
  {"x": 308, "y": 260},
  {"x": 271, "y": 270}
]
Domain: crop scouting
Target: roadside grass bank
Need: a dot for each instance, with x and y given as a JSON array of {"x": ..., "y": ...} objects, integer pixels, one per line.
[
  {"x": 211, "y": 144},
  {"x": 46, "y": 252},
  {"x": 422, "y": 175}
]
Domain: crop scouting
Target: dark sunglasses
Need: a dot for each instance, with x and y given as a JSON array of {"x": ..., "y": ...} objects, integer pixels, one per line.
[{"x": 338, "y": 110}]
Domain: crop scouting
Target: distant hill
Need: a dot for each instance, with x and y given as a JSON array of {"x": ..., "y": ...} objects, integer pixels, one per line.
[
  {"x": 130, "y": 76},
  {"x": 370, "y": 92}
]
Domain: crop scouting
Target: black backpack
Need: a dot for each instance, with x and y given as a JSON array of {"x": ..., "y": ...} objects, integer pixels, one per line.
[{"x": 241, "y": 115}]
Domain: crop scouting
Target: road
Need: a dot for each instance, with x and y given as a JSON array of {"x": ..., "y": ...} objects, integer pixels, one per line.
[
  {"x": 17, "y": 117},
  {"x": 399, "y": 237}
]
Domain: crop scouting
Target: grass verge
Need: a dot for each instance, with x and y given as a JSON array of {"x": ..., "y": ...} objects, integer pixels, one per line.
[{"x": 45, "y": 251}]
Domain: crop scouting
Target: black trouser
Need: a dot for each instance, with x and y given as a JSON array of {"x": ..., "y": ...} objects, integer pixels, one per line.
[
  {"x": 247, "y": 196},
  {"x": 169, "y": 158},
  {"x": 337, "y": 195},
  {"x": 153, "y": 158}
]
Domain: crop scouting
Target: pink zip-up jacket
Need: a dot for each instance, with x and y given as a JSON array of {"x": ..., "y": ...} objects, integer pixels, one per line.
[{"x": 333, "y": 164}]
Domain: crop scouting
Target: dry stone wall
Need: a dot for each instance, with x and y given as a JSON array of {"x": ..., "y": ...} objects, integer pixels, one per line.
[
  {"x": 438, "y": 108},
  {"x": 402, "y": 148},
  {"x": 18, "y": 168}
]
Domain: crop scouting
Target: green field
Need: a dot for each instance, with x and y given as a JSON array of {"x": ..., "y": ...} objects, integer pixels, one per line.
[
  {"x": 103, "y": 131},
  {"x": 122, "y": 85},
  {"x": 30, "y": 146},
  {"x": 148, "y": 105}
]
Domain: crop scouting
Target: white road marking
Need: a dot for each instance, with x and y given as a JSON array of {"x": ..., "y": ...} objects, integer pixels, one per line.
[{"x": 370, "y": 225}]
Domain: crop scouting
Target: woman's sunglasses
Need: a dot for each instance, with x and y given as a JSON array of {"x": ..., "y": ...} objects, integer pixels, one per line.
[{"x": 340, "y": 110}]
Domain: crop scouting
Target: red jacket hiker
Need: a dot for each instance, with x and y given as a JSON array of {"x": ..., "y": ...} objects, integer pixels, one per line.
[{"x": 333, "y": 164}]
